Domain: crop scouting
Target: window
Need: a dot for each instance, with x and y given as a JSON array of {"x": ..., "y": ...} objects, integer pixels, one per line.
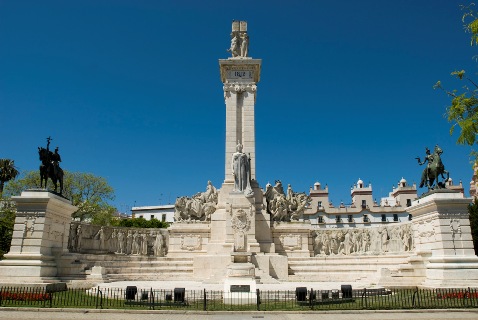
[
  {"x": 319, "y": 204},
  {"x": 140, "y": 217},
  {"x": 365, "y": 218},
  {"x": 384, "y": 218},
  {"x": 409, "y": 217},
  {"x": 350, "y": 218},
  {"x": 320, "y": 219},
  {"x": 152, "y": 216},
  {"x": 163, "y": 218},
  {"x": 364, "y": 204},
  {"x": 395, "y": 217},
  {"x": 409, "y": 202},
  {"x": 338, "y": 219}
]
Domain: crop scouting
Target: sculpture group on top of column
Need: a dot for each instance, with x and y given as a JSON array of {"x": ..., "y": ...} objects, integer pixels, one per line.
[
  {"x": 371, "y": 241},
  {"x": 239, "y": 42},
  {"x": 284, "y": 207},
  {"x": 198, "y": 207},
  {"x": 87, "y": 238}
]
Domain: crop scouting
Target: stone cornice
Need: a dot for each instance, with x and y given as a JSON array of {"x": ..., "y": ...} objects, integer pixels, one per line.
[{"x": 233, "y": 64}]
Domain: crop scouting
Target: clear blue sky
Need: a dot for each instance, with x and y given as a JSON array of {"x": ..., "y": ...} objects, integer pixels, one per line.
[{"x": 130, "y": 90}]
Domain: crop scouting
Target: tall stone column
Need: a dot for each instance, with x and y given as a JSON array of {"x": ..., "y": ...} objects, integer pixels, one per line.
[
  {"x": 40, "y": 233},
  {"x": 240, "y": 76}
]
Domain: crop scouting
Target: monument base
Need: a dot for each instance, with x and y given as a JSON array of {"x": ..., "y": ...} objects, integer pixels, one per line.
[
  {"x": 442, "y": 229},
  {"x": 451, "y": 272},
  {"x": 39, "y": 235},
  {"x": 240, "y": 286}
]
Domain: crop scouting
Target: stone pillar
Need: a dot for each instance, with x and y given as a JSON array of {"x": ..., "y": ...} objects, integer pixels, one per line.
[
  {"x": 40, "y": 233},
  {"x": 443, "y": 239},
  {"x": 240, "y": 76}
]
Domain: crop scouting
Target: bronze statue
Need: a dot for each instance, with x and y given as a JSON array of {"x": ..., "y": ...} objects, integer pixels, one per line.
[
  {"x": 434, "y": 169},
  {"x": 50, "y": 167}
]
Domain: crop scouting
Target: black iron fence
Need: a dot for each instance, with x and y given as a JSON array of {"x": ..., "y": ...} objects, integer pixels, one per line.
[{"x": 300, "y": 299}]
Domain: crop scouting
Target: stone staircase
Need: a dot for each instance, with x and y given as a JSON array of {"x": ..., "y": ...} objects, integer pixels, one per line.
[
  {"x": 342, "y": 268},
  {"x": 124, "y": 268}
]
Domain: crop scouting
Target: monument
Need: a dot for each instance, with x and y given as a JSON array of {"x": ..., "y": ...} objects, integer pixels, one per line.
[{"x": 240, "y": 235}]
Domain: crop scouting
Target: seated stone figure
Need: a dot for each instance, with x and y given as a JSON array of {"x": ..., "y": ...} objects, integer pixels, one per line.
[{"x": 198, "y": 207}]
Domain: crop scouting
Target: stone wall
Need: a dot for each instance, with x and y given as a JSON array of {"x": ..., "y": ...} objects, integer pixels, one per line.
[{"x": 87, "y": 238}]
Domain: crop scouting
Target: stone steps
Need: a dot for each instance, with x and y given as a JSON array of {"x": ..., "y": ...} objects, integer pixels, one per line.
[
  {"x": 342, "y": 268},
  {"x": 121, "y": 267}
]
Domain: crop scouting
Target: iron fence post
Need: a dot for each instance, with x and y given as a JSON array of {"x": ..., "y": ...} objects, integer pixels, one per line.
[
  {"x": 310, "y": 299},
  {"x": 151, "y": 299},
  {"x": 415, "y": 294},
  {"x": 258, "y": 299},
  {"x": 364, "y": 298}
]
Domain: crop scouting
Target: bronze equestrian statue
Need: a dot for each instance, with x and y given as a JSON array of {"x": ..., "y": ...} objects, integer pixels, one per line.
[
  {"x": 50, "y": 167},
  {"x": 434, "y": 169}
]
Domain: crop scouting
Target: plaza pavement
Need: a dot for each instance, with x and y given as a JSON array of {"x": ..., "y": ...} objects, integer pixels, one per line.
[{"x": 93, "y": 314}]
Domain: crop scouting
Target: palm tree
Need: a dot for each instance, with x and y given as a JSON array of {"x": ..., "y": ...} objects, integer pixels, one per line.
[{"x": 7, "y": 172}]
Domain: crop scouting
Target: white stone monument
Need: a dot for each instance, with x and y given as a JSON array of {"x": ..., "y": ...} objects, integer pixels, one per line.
[
  {"x": 443, "y": 240},
  {"x": 40, "y": 235}
]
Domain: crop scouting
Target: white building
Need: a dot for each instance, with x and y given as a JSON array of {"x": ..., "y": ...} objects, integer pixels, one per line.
[
  {"x": 162, "y": 213},
  {"x": 364, "y": 211}
]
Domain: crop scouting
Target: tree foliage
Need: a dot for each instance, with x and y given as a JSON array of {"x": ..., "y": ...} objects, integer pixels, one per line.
[
  {"x": 141, "y": 223},
  {"x": 86, "y": 191},
  {"x": 463, "y": 110},
  {"x": 473, "y": 211},
  {"x": 7, "y": 220},
  {"x": 7, "y": 172}
]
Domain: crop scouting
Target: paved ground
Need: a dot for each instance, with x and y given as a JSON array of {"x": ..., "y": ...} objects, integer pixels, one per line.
[{"x": 70, "y": 314}]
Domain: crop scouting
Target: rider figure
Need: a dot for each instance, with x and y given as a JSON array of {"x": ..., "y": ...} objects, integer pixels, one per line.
[
  {"x": 429, "y": 159},
  {"x": 55, "y": 160}
]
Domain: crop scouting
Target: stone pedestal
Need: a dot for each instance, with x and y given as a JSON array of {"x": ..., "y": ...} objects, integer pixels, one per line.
[
  {"x": 40, "y": 234},
  {"x": 443, "y": 237},
  {"x": 188, "y": 239},
  {"x": 240, "y": 285},
  {"x": 292, "y": 238}
]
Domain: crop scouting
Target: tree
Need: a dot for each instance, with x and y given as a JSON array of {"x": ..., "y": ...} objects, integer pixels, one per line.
[
  {"x": 7, "y": 172},
  {"x": 86, "y": 191},
  {"x": 141, "y": 223},
  {"x": 473, "y": 211},
  {"x": 7, "y": 220},
  {"x": 463, "y": 111}
]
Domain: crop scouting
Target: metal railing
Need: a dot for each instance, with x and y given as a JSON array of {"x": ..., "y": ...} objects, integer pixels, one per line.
[{"x": 211, "y": 300}]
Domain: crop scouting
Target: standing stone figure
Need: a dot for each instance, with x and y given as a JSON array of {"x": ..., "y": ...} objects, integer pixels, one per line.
[
  {"x": 120, "y": 236},
  {"x": 144, "y": 244},
  {"x": 79, "y": 235},
  {"x": 158, "y": 246},
  {"x": 135, "y": 245},
  {"x": 129, "y": 242},
  {"x": 101, "y": 236},
  {"x": 234, "y": 49},
  {"x": 244, "y": 44},
  {"x": 241, "y": 171}
]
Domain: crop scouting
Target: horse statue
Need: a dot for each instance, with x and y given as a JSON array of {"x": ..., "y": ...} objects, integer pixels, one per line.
[
  {"x": 434, "y": 169},
  {"x": 49, "y": 168}
]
